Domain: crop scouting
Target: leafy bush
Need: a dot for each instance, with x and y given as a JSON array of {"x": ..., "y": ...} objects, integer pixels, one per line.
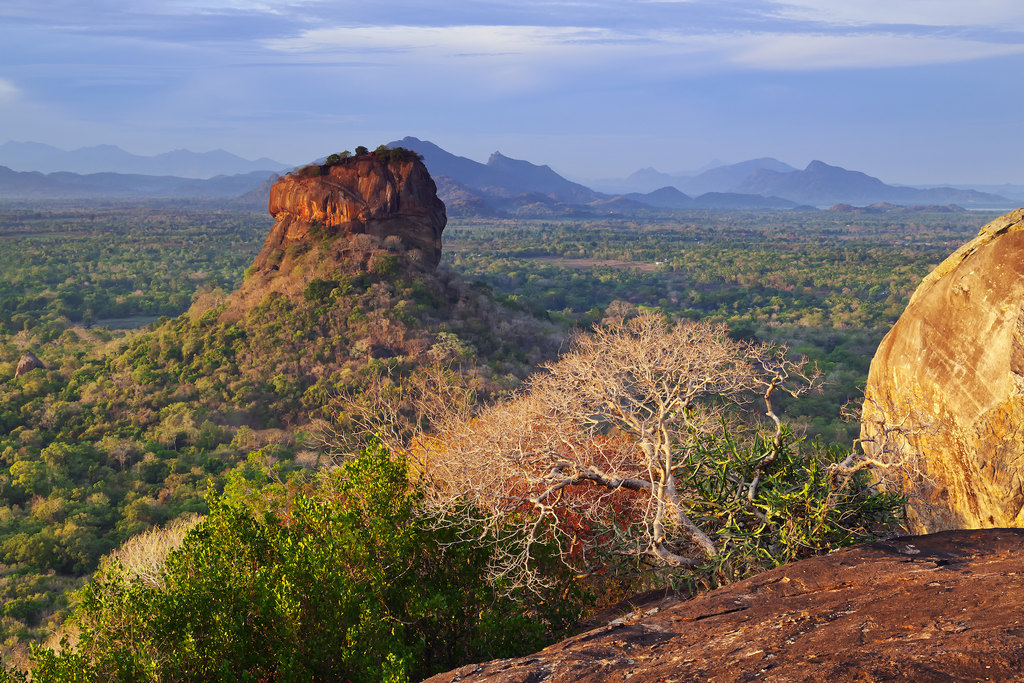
[
  {"x": 802, "y": 506},
  {"x": 644, "y": 440},
  {"x": 341, "y": 580},
  {"x": 319, "y": 290}
]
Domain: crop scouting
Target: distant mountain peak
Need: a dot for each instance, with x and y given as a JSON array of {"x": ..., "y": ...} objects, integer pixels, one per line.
[
  {"x": 823, "y": 184},
  {"x": 502, "y": 177}
]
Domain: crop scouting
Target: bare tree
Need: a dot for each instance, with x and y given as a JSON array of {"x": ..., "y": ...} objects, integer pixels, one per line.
[
  {"x": 890, "y": 447},
  {"x": 602, "y": 448}
]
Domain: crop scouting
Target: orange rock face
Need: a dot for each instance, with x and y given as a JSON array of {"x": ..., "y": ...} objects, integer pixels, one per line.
[
  {"x": 944, "y": 607},
  {"x": 364, "y": 195},
  {"x": 952, "y": 368}
]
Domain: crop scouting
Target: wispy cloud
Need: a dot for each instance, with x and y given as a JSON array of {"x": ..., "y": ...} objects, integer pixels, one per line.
[
  {"x": 451, "y": 40},
  {"x": 498, "y": 59},
  {"x": 217, "y": 6},
  {"x": 1001, "y": 14},
  {"x": 564, "y": 48},
  {"x": 798, "y": 51}
]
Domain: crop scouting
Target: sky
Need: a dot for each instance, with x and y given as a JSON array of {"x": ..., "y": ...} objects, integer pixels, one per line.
[{"x": 911, "y": 91}]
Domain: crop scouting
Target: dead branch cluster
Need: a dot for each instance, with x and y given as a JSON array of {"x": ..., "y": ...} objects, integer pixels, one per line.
[
  {"x": 590, "y": 454},
  {"x": 893, "y": 429},
  {"x": 597, "y": 455}
]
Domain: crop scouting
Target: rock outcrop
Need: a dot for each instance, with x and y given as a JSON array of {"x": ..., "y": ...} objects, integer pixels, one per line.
[
  {"x": 944, "y": 607},
  {"x": 951, "y": 372},
  {"x": 377, "y": 212},
  {"x": 368, "y": 194},
  {"x": 28, "y": 362}
]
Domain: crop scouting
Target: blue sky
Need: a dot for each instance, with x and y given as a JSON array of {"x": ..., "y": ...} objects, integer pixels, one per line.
[{"x": 912, "y": 91}]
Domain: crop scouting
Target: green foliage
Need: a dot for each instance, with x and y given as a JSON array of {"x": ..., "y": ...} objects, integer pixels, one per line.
[
  {"x": 318, "y": 290},
  {"x": 120, "y": 265},
  {"x": 828, "y": 284},
  {"x": 395, "y": 154},
  {"x": 346, "y": 580},
  {"x": 318, "y": 230},
  {"x": 801, "y": 507},
  {"x": 310, "y": 171},
  {"x": 385, "y": 265},
  {"x": 135, "y": 425}
]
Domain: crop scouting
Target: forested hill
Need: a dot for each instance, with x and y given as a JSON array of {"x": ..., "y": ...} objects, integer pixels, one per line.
[
  {"x": 113, "y": 436},
  {"x": 255, "y": 366}
]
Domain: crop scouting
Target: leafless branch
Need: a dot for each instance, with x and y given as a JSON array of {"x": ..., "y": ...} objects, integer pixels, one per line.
[{"x": 605, "y": 433}]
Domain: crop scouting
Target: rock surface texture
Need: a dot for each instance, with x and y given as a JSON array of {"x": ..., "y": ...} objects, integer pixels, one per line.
[
  {"x": 360, "y": 195},
  {"x": 952, "y": 368},
  {"x": 943, "y": 607},
  {"x": 28, "y": 362}
]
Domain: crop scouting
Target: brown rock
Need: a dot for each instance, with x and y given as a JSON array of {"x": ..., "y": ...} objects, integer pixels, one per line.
[
  {"x": 954, "y": 363},
  {"x": 364, "y": 214},
  {"x": 361, "y": 195},
  {"x": 28, "y": 362},
  {"x": 945, "y": 607}
]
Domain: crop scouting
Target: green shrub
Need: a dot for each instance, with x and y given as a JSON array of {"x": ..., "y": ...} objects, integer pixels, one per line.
[
  {"x": 319, "y": 290},
  {"x": 344, "y": 580},
  {"x": 801, "y": 508}
]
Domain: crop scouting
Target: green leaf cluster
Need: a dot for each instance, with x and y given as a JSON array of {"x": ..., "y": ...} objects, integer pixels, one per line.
[
  {"x": 346, "y": 578},
  {"x": 800, "y": 508}
]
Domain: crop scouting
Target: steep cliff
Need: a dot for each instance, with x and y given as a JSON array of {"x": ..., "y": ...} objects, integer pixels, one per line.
[
  {"x": 951, "y": 371},
  {"x": 375, "y": 213},
  {"x": 369, "y": 194}
]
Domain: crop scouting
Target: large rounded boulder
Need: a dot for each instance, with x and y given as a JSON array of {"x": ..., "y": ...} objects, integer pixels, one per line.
[{"x": 945, "y": 394}]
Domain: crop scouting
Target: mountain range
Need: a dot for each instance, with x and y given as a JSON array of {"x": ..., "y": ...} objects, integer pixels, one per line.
[
  {"x": 35, "y": 156},
  {"x": 716, "y": 177},
  {"x": 822, "y": 184},
  {"x": 515, "y": 187},
  {"x": 505, "y": 185},
  {"x": 64, "y": 185},
  {"x": 502, "y": 186}
]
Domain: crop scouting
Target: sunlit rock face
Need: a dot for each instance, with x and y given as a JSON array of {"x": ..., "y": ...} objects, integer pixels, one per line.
[
  {"x": 367, "y": 214},
  {"x": 363, "y": 195},
  {"x": 951, "y": 371},
  {"x": 916, "y": 608},
  {"x": 28, "y": 363}
]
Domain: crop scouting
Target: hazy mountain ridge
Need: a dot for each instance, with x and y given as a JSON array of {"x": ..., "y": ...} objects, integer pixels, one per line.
[
  {"x": 728, "y": 178},
  {"x": 35, "y": 156},
  {"x": 671, "y": 198},
  {"x": 517, "y": 187},
  {"x": 35, "y": 185},
  {"x": 714, "y": 177},
  {"x": 502, "y": 186},
  {"x": 501, "y": 175},
  {"x": 821, "y": 184}
]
